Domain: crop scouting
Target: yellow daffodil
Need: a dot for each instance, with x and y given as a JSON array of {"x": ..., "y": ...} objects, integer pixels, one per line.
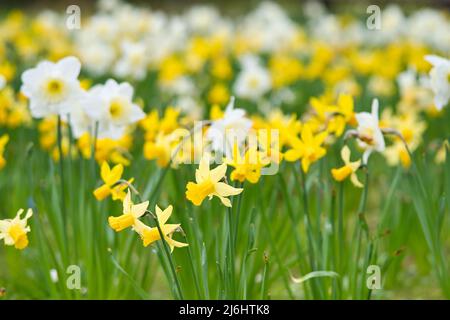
[
  {"x": 410, "y": 127},
  {"x": 131, "y": 213},
  {"x": 3, "y": 141},
  {"x": 349, "y": 169},
  {"x": 159, "y": 149},
  {"x": 219, "y": 94},
  {"x": 333, "y": 116},
  {"x": 110, "y": 178},
  {"x": 166, "y": 146},
  {"x": 309, "y": 148},
  {"x": 208, "y": 184},
  {"x": 14, "y": 231},
  {"x": 152, "y": 234},
  {"x": 247, "y": 167}
]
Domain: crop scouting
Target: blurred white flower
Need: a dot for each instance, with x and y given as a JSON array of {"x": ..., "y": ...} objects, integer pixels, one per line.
[
  {"x": 133, "y": 62},
  {"x": 96, "y": 56},
  {"x": 2, "y": 82},
  {"x": 431, "y": 27},
  {"x": 112, "y": 106},
  {"x": 202, "y": 18},
  {"x": 54, "y": 275},
  {"x": 439, "y": 80},
  {"x": 79, "y": 119},
  {"x": 229, "y": 130},
  {"x": 253, "y": 81},
  {"x": 370, "y": 137},
  {"x": 51, "y": 87}
]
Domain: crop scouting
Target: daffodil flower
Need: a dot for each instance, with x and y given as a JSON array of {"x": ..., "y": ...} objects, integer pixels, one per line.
[
  {"x": 247, "y": 167},
  {"x": 51, "y": 87},
  {"x": 349, "y": 169},
  {"x": 369, "y": 134},
  {"x": 439, "y": 80},
  {"x": 309, "y": 148},
  {"x": 152, "y": 234},
  {"x": 110, "y": 178},
  {"x": 131, "y": 213},
  {"x": 208, "y": 184},
  {"x": 14, "y": 231}
]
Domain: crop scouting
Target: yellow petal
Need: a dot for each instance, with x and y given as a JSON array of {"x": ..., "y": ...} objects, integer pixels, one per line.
[
  {"x": 355, "y": 181},
  {"x": 164, "y": 215},
  {"x": 225, "y": 190},
  {"x": 138, "y": 210},
  {"x": 105, "y": 171},
  {"x": 345, "y": 154},
  {"x": 218, "y": 173},
  {"x": 115, "y": 174},
  {"x": 127, "y": 203},
  {"x": 203, "y": 167},
  {"x": 102, "y": 192},
  {"x": 292, "y": 155},
  {"x": 226, "y": 202}
]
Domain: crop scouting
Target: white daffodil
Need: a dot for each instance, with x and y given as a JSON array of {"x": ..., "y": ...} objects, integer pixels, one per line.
[
  {"x": 229, "y": 130},
  {"x": 52, "y": 87},
  {"x": 2, "y": 82},
  {"x": 440, "y": 80},
  {"x": 253, "y": 81},
  {"x": 369, "y": 134},
  {"x": 112, "y": 106},
  {"x": 97, "y": 57},
  {"x": 133, "y": 62},
  {"x": 80, "y": 121}
]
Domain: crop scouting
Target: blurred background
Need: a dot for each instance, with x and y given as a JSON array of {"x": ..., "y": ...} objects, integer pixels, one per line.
[{"x": 233, "y": 6}]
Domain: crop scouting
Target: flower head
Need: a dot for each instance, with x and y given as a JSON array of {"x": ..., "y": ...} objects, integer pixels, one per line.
[
  {"x": 309, "y": 148},
  {"x": 111, "y": 105},
  {"x": 152, "y": 234},
  {"x": 131, "y": 213},
  {"x": 208, "y": 184},
  {"x": 14, "y": 231},
  {"x": 52, "y": 87},
  {"x": 247, "y": 167},
  {"x": 349, "y": 168},
  {"x": 232, "y": 127},
  {"x": 440, "y": 80},
  {"x": 111, "y": 178},
  {"x": 253, "y": 81},
  {"x": 370, "y": 137}
]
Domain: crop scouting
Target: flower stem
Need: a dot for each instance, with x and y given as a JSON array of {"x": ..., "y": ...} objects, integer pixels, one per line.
[
  {"x": 61, "y": 173},
  {"x": 169, "y": 257}
]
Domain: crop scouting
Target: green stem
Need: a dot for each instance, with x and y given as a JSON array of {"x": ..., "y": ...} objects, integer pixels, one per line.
[
  {"x": 61, "y": 172},
  {"x": 231, "y": 252},
  {"x": 169, "y": 257}
]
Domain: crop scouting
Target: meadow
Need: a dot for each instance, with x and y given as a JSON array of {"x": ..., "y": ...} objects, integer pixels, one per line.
[{"x": 147, "y": 154}]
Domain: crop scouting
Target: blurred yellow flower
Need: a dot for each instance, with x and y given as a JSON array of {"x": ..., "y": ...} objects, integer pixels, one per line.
[
  {"x": 247, "y": 167},
  {"x": 309, "y": 148},
  {"x": 3, "y": 141}
]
